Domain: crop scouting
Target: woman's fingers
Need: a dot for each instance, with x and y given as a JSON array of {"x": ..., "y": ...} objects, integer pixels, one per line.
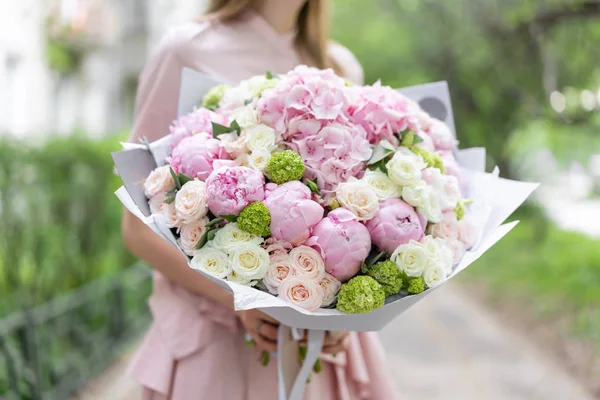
[
  {"x": 263, "y": 343},
  {"x": 268, "y": 331}
]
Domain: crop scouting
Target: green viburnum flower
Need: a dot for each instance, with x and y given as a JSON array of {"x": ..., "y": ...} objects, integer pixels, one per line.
[
  {"x": 212, "y": 99},
  {"x": 360, "y": 295},
  {"x": 432, "y": 160},
  {"x": 416, "y": 285},
  {"x": 285, "y": 166},
  {"x": 461, "y": 207},
  {"x": 255, "y": 218},
  {"x": 349, "y": 83},
  {"x": 333, "y": 204},
  {"x": 387, "y": 274}
]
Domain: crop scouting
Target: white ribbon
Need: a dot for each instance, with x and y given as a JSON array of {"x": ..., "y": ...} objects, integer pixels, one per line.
[{"x": 291, "y": 379}]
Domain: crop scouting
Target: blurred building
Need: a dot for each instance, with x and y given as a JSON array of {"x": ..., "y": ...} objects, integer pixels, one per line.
[{"x": 70, "y": 65}]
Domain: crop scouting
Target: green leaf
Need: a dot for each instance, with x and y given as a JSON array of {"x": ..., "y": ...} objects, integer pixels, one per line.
[
  {"x": 364, "y": 268},
  {"x": 318, "y": 366},
  {"x": 265, "y": 358},
  {"x": 312, "y": 185},
  {"x": 270, "y": 75},
  {"x": 372, "y": 260},
  {"x": 235, "y": 126},
  {"x": 169, "y": 199},
  {"x": 408, "y": 139},
  {"x": 183, "y": 179},
  {"x": 417, "y": 139},
  {"x": 247, "y": 101},
  {"x": 249, "y": 342},
  {"x": 175, "y": 178},
  {"x": 219, "y": 129},
  {"x": 382, "y": 167},
  {"x": 214, "y": 222},
  {"x": 211, "y": 234},
  {"x": 230, "y": 217},
  {"x": 380, "y": 152},
  {"x": 203, "y": 240}
]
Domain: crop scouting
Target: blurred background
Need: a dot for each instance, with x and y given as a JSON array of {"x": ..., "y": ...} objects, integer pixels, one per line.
[{"x": 525, "y": 83}]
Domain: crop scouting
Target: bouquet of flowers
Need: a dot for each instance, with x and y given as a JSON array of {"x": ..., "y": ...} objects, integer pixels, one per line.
[{"x": 312, "y": 198}]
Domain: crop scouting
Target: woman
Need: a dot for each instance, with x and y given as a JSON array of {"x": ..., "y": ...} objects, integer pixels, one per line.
[{"x": 195, "y": 349}]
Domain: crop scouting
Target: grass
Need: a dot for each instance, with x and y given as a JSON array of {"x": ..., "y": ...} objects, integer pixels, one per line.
[{"x": 555, "y": 272}]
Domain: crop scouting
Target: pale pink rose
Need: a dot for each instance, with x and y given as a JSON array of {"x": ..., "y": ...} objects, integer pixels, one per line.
[
  {"x": 301, "y": 291},
  {"x": 194, "y": 155},
  {"x": 191, "y": 201},
  {"x": 359, "y": 198},
  {"x": 451, "y": 165},
  {"x": 159, "y": 181},
  {"x": 467, "y": 230},
  {"x": 293, "y": 213},
  {"x": 280, "y": 269},
  {"x": 230, "y": 189},
  {"x": 171, "y": 218},
  {"x": 442, "y": 136},
  {"x": 343, "y": 242},
  {"x": 447, "y": 228},
  {"x": 198, "y": 121},
  {"x": 233, "y": 144},
  {"x": 396, "y": 223},
  {"x": 157, "y": 203},
  {"x": 307, "y": 261},
  {"x": 190, "y": 234},
  {"x": 331, "y": 287},
  {"x": 458, "y": 249},
  {"x": 274, "y": 246}
]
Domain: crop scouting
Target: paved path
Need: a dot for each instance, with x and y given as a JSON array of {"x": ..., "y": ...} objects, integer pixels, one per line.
[{"x": 446, "y": 347}]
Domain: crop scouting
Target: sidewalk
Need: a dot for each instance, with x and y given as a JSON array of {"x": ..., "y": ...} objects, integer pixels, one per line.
[{"x": 446, "y": 347}]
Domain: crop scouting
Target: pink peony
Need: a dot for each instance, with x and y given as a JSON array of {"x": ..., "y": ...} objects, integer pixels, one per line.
[
  {"x": 194, "y": 155},
  {"x": 198, "y": 121},
  {"x": 343, "y": 242},
  {"x": 395, "y": 224},
  {"x": 293, "y": 213},
  {"x": 230, "y": 189}
]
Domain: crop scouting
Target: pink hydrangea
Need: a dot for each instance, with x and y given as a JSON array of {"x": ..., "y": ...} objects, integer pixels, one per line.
[
  {"x": 195, "y": 155},
  {"x": 343, "y": 242},
  {"x": 293, "y": 213},
  {"x": 442, "y": 136},
  {"x": 230, "y": 189},
  {"x": 304, "y": 92},
  {"x": 383, "y": 112},
  {"x": 198, "y": 121},
  {"x": 395, "y": 224}
]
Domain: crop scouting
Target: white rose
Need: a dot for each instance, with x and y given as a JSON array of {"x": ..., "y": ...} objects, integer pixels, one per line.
[
  {"x": 417, "y": 195},
  {"x": 442, "y": 137},
  {"x": 467, "y": 230},
  {"x": 383, "y": 186},
  {"x": 258, "y": 83},
  {"x": 233, "y": 144},
  {"x": 259, "y": 159},
  {"x": 250, "y": 261},
  {"x": 431, "y": 209},
  {"x": 190, "y": 201},
  {"x": 234, "y": 98},
  {"x": 405, "y": 167},
  {"x": 411, "y": 258},
  {"x": 331, "y": 287},
  {"x": 451, "y": 193},
  {"x": 438, "y": 253},
  {"x": 245, "y": 116},
  {"x": 190, "y": 234},
  {"x": 159, "y": 181},
  {"x": 243, "y": 160},
  {"x": 307, "y": 261},
  {"x": 230, "y": 237},
  {"x": 280, "y": 268},
  {"x": 237, "y": 278},
  {"x": 211, "y": 261},
  {"x": 260, "y": 137},
  {"x": 359, "y": 198},
  {"x": 434, "y": 275}
]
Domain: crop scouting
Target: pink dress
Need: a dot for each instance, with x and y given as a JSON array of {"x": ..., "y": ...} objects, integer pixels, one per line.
[{"x": 194, "y": 349}]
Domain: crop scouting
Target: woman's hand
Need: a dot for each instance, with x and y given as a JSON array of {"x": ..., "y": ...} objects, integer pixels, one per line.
[
  {"x": 335, "y": 342},
  {"x": 262, "y": 328}
]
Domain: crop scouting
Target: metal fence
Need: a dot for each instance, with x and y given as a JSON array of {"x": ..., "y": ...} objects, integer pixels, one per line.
[{"x": 49, "y": 351}]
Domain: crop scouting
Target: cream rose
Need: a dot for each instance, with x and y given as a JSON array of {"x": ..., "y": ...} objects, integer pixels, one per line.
[
  {"x": 434, "y": 275},
  {"x": 411, "y": 258},
  {"x": 157, "y": 203},
  {"x": 190, "y": 234},
  {"x": 418, "y": 194},
  {"x": 260, "y": 137},
  {"x": 250, "y": 261},
  {"x": 331, "y": 287},
  {"x": 280, "y": 269},
  {"x": 302, "y": 291},
  {"x": 237, "y": 278},
  {"x": 405, "y": 168},
  {"x": 359, "y": 198},
  {"x": 230, "y": 237},
  {"x": 211, "y": 261},
  {"x": 159, "y": 181},
  {"x": 171, "y": 218},
  {"x": 190, "y": 201},
  {"x": 245, "y": 116},
  {"x": 258, "y": 159},
  {"x": 382, "y": 185},
  {"x": 233, "y": 144},
  {"x": 307, "y": 261},
  {"x": 467, "y": 231},
  {"x": 243, "y": 160}
]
